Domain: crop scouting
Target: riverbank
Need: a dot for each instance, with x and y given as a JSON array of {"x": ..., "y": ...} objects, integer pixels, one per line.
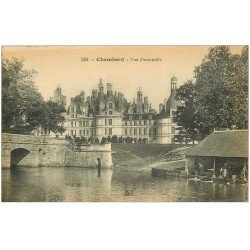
[{"x": 142, "y": 157}]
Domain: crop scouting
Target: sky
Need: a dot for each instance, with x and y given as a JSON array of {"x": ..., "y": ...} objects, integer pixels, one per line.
[{"x": 67, "y": 66}]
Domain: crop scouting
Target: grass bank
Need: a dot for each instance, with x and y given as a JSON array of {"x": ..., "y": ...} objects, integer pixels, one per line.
[{"x": 138, "y": 156}]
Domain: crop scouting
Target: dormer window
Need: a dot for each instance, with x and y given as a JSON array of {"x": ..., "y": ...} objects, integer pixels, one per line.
[
  {"x": 130, "y": 117},
  {"x": 150, "y": 117}
]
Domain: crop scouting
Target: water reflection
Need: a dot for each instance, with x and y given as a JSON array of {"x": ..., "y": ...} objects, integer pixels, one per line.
[{"x": 75, "y": 184}]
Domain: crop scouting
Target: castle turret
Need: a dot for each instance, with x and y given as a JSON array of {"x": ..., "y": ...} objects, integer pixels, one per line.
[
  {"x": 173, "y": 85},
  {"x": 101, "y": 88},
  {"x": 109, "y": 89},
  {"x": 146, "y": 105},
  {"x": 82, "y": 97},
  {"x": 94, "y": 94},
  {"x": 171, "y": 103},
  {"x": 58, "y": 97},
  {"x": 139, "y": 101},
  {"x": 161, "y": 106}
]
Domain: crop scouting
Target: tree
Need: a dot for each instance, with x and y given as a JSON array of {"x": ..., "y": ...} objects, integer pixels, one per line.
[
  {"x": 218, "y": 97},
  {"x": 222, "y": 86},
  {"x": 20, "y": 98},
  {"x": 186, "y": 113},
  {"x": 96, "y": 140},
  {"x": 121, "y": 139},
  {"x": 24, "y": 109},
  {"x": 91, "y": 139},
  {"x": 52, "y": 119},
  {"x": 114, "y": 139},
  {"x": 128, "y": 139}
]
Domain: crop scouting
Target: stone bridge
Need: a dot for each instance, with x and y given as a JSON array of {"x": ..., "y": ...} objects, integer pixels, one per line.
[{"x": 35, "y": 151}]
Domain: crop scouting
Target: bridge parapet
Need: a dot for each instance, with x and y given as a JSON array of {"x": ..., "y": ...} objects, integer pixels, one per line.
[
  {"x": 89, "y": 147},
  {"x": 18, "y": 138}
]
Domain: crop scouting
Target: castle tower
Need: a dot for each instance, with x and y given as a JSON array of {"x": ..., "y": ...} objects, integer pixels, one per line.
[
  {"x": 173, "y": 85},
  {"x": 57, "y": 94},
  {"x": 139, "y": 101},
  {"x": 101, "y": 88},
  {"x": 82, "y": 97},
  {"x": 94, "y": 94},
  {"x": 171, "y": 103},
  {"x": 58, "y": 97},
  {"x": 161, "y": 106},
  {"x": 109, "y": 89},
  {"x": 146, "y": 105}
]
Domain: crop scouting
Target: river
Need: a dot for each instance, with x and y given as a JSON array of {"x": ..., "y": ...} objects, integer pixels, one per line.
[{"x": 76, "y": 185}]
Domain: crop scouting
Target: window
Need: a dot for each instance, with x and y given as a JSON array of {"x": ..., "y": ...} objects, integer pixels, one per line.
[
  {"x": 72, "y": 109},
  {"x": 87, "y": 133},
  {"x": 110, "y": 105},
  {"x": 135, "y": 132},
  {"x": 145, "y": 131},
  {"x": 83, "y": 132},
  {"x": 172, "y": 130},
  {"x": 126, "y": 131},
  {"x": 80, "y": 123},
  {"x": 155, "y": 131},
  {"x": 126, "y": 123},
  {"x": 110, "y": 112},
  {"x": 72, "y": 132},
  {"x": 130, "y": 117},
  {"x": 110, "y": 121},
  {"x": 72, "y": 124},
  {"x": 150, "y": 122},
  {"x": 87, "y": 123},
  {"x": 140, "y": 117},
  {"x": 83, "y": 123},
  {"x": 72, "y": 115},
  {"x": 80, "y": 132},
  {"x": 130, "y": 131},
  {"x": 150, "y": 117},
  {"x": 75, "y": 123},
  {"x": 139, "y": 122},
  {"x": 106, "y": 131},
  {"x": 139, "y": 131},
  {"x": 134, "y": 122},
  {"x": 130, "y": 122},
  {"x": 110, "y": 131},
  {"x": 106, "y": 122},
  {"x": 145, "y": 122}
]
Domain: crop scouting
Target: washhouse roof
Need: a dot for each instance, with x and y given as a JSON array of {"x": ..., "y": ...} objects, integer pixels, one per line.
[{"x": 231, "y": 143}]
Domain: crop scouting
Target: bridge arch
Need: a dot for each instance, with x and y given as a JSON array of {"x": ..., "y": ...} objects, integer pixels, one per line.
[{"x": 16, "y": 155}]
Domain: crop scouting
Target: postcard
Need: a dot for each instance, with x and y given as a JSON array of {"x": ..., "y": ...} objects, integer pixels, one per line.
[{"x": 124, "y": 123}]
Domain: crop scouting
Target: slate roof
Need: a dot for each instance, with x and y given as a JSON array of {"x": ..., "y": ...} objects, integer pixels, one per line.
[{"x": 231, "y": 143}]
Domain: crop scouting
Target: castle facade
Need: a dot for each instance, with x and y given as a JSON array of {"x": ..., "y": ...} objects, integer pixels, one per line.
[{"x": 105, "y": 114}]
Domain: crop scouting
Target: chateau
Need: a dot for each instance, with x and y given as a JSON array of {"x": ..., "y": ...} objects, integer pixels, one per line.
[{"x": 108, "y": 113}]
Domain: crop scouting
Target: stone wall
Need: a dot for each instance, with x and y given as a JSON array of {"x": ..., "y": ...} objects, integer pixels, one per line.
[{"x": 54, "y": 153}]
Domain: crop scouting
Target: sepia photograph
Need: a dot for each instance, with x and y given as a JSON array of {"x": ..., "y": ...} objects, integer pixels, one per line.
[{"x": 124, "y": 123}]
